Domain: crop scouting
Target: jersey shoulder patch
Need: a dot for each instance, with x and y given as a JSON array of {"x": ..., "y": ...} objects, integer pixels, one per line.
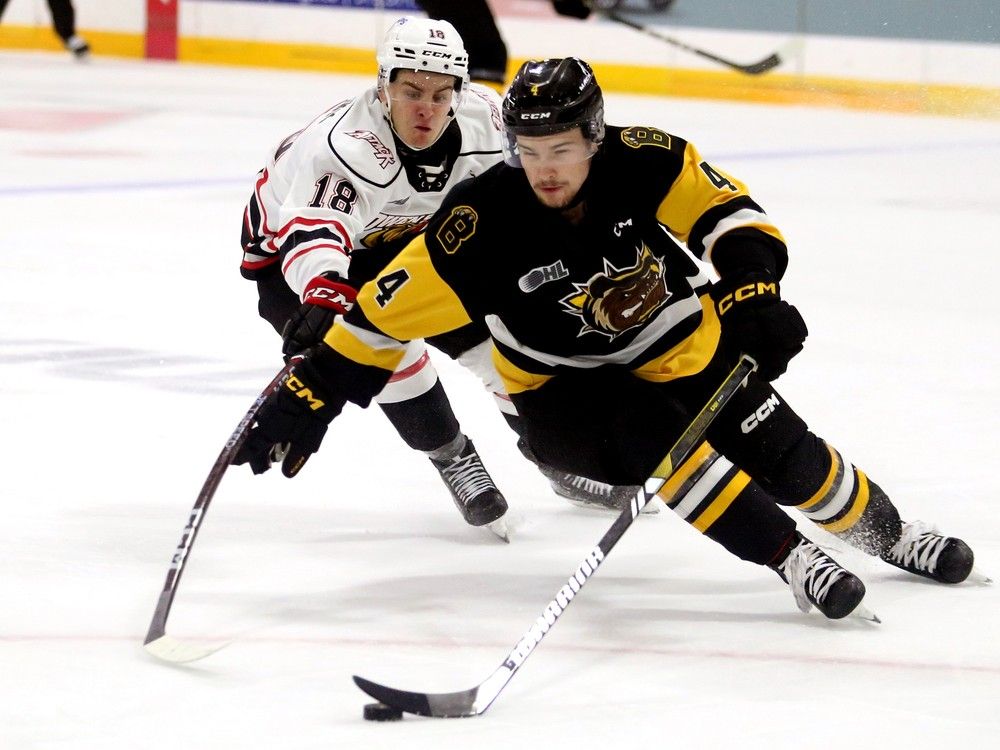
[
  {"x": 479, "y": 119},
  {"x": 456, "y": 227},
  {"x": 639, "y": 136},
  {"x": 465, "y": 212}
]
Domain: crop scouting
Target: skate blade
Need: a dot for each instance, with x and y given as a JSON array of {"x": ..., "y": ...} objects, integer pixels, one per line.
[
  {"x": 861, "y": 612},
  {"x": 977, "y": 576},
  {"x": 500, "y": 529},
  {"x": 651, "y": 509}
]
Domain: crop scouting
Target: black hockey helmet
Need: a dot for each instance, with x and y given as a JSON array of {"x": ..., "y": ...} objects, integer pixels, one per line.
[{"x": 552, "y": 96}]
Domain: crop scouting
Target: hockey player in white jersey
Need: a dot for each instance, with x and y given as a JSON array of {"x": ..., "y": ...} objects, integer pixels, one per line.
[{"x": 339, "y": 198}]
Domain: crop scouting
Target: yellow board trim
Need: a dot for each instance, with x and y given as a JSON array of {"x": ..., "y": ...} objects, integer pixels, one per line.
[
  {"x": 44, "y": 39},
  {"x": 857, "y": 510},
  {"x": 722, "y": 502},
  {"x": 770, "y": 88}
]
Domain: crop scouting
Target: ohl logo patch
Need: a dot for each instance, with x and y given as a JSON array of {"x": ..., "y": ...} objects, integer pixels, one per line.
[{"x": 618, "y": 300}]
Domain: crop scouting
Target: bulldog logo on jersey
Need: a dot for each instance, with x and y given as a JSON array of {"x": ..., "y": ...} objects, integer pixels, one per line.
[{"x": 618, "y": 300}]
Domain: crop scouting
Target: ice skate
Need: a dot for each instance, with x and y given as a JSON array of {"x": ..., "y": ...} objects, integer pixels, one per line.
[
  {"x": 924, "y": 552},
  {"x": 585, "y": 492},
  {"x": 477, "y": 497},
  {"x": 817, "y": 580},
  {"x": 78, "y": 46}
]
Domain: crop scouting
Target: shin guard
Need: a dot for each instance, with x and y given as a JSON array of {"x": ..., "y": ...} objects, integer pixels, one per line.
[
  {"x": 724, "y": 503},
  {"x": 837, "y": 496}
]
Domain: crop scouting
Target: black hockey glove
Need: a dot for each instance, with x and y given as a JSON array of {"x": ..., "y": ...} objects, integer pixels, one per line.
[
  {"x": 326, "y": 297},
  {"x": 292, "y": 422},
  {"x": 572, "y": 8},
  {"x": 755, "y": 320}
]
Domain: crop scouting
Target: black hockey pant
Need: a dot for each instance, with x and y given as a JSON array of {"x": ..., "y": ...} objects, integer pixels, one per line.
[{"x": 610, "y": 425}]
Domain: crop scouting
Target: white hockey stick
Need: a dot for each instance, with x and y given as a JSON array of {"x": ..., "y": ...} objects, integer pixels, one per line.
[
  {"x": 476, "y": 700},
  {"x": 157, "y": 642}
]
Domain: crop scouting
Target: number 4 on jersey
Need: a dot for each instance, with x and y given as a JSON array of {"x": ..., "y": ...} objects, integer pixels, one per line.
[
  {"x": 388, "y": 285},
  {"x": 719, "y": 180}
]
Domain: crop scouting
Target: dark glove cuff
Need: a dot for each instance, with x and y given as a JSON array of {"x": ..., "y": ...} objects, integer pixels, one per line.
[
  {"x": 751, "y": 289},
  {"x": 743, "y": 251}
]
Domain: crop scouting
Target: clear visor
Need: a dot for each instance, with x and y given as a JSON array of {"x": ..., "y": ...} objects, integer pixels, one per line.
[
  {"x": 546, "y": 151},
  {"x": 424, "y": 91}
]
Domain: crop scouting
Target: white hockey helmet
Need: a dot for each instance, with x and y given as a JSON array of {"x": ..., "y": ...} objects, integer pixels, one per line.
[{"x": 422, "y": 44}]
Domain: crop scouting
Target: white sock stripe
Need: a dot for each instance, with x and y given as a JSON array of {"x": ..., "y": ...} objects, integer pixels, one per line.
[
  {"x": 840, "y": 498},
  {"x": 688, "y": 483},
  {"x": 834, "y": 487},
  {"x": 707, "y": 482}
]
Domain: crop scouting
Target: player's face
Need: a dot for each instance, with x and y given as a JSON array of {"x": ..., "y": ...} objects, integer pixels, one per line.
[
  {"x": 556, "y": 165},
  {"x": 419, "y": 106}
]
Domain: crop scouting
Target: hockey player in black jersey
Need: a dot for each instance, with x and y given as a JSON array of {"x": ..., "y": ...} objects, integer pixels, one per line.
[
  {"x": 340, "y": 197},
  {"x": 609, "y": 337}
]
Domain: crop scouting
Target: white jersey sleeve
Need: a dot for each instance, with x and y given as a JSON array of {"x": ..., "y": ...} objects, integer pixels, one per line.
[
  {"x": 339, "y": 187},
  {"x": 309, "y": 204}
]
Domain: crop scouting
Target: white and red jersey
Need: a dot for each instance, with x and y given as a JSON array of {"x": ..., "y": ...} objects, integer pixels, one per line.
[{"x": 343, "y": 186}]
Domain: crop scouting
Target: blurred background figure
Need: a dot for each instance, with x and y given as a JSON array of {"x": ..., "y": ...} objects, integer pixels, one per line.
[
  {"x": 473, "y": 19},
  {"x": 64, "y": 24}
]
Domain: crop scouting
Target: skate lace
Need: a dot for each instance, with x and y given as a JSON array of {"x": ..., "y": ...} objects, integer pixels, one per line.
[
  {"x": 600, "y": 489},
  {"x": 919, "y": 547},
  {"x": 467, "y": 477},
  {"x": 810, "y": 573}
]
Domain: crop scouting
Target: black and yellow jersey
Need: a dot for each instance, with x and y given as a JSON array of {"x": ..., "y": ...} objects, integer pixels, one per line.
[{"x": 613, "y": 288}]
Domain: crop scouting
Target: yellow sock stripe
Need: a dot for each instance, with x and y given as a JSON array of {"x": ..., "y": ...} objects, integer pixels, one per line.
[
  {"x": 722, "y": 502},
  {"x": 684, "y": 472},
  {"x": 825, "y": 489},
  {"x": 857, "y": 509}
]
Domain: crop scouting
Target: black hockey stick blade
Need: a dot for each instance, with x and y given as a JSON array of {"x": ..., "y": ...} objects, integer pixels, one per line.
[
  {"x": 476, "y": 700},
  {"x": 773, "y": 61},
  {"x": 442, "y": 705},
  {"x": 768, "y": 63},
  {"x": 157, "y": 642},
  {"x": 461, "y": 704}
]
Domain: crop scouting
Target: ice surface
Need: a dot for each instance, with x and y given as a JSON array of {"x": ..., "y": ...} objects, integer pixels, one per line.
[{"x": 130, "y": 348}]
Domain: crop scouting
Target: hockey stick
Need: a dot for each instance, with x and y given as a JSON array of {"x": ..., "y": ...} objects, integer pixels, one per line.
[
  {"x": 753, "y": 69},
  {"x": 157, "y": 642},
  {"x": 476, "y": 700}
]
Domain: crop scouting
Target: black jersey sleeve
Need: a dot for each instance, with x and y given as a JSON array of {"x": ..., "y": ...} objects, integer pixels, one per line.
[{"x": 698, "y": 203}]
